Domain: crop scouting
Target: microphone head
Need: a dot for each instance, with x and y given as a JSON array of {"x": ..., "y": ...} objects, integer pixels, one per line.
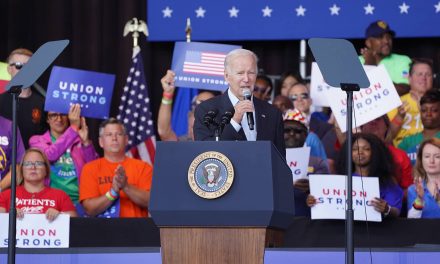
[
  {"x": 212, "y": 113},
  {"x": 247, "y": 94}
]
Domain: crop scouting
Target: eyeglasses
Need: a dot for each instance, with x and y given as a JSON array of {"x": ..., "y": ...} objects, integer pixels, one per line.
[
  {"x": 295, "y": 130},
  {"x": 18, "y": 65},
  {"x": 36, "y": 164},
  {"x": 53, "y": 116},
  {"x": 303, "y": 96},
  {"x": 259, "y": 89}
]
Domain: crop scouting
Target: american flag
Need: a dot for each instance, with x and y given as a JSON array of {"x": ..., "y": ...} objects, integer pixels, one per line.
[
  {"x": 204, "y": 62},
  {"x": 134, "y": 112}
]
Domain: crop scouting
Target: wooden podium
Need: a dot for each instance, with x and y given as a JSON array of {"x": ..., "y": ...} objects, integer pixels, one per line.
[{"x": 234, "y": 228}]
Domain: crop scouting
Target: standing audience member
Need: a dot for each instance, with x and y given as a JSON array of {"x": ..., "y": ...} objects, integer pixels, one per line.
[
  {"x": 424, "y": 194},
  {"x": 115, "y": 181},
  {"x": 263, "y": 88},
  {"x": 68, "y": 147},
  {"x": 283, "y": 103},
  {"x": 287, "y": 80},
  {"x": 241, "y": 73},
  {"x": 406, "y": 118},
  {"x": 33, "y": 196},
  {"x": 378, "y": 50},
  {"x": 6, "y": 153},
  {"x": 30, "y": 118},
  {"x": 166, "y": 132},
  {"x": 430, "y": 115}
]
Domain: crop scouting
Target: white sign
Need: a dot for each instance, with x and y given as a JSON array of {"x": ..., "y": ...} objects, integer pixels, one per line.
[
  {"x": 35, "y": 231},
  {"x": 319, "y": 88},
  {"x": 368, "y": 104},
  {"x": 329, "y": 191},
  {"x": 298, "y": 161}
]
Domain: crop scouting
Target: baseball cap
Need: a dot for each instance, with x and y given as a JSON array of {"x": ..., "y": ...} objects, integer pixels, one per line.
[
  {"x": 295, "y": 115},
  {"x": 377, "y": 28}
]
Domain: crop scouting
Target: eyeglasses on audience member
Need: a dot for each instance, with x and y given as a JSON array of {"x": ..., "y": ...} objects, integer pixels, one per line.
[
  {"x": 302, "y": 95},
  {"x": 36, "y": 164},
  {"x": 53, "y": 116},
  {"x": 18, "y": 65}
]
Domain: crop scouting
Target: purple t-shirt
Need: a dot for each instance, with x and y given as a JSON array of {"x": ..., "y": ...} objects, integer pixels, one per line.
[{"x": 6, "y": 146}]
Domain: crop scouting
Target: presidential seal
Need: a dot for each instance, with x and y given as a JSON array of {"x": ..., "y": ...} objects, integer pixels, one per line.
[{"x": 210, "y": 175}]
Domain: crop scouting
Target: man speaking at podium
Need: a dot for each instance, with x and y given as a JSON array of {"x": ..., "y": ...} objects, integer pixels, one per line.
[{"x": 251, "y": 119}]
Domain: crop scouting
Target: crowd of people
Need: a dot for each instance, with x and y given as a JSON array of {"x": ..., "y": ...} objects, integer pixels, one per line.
[{"x": 58, "y": 160}]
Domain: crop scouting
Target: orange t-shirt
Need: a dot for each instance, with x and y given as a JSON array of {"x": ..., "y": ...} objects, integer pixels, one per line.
[{"x": 97, "y": 176}]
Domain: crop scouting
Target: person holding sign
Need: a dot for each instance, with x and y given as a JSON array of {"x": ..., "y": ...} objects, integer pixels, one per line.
[
  {"x": 371, "y": 158},
  {"x": 424, "y": 194},
  {"x": 33, "y": 196},
  {"x": 68, "y": 147},
  {"x": 115, "y": 185}
]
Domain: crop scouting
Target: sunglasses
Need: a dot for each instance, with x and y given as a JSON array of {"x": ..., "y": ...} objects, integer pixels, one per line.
[
  {"x": 18, "y": 65},
  {"x": 303, "y": 96},
  {"x": 53, "y": 116},
  {"x": 289, "y": 130},
  {"x": 260, "y": 89}
]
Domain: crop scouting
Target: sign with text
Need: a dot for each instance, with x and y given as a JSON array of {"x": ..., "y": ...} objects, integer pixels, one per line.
[
  {"x": 92, "y": 90},
  {"x": 200, "y": 65},
  {"x": 298, "y": 161},
  {"x": 369, "y": 103},
  {"x": 35, "y": 231},
  {"x": 330, "y": 194}
]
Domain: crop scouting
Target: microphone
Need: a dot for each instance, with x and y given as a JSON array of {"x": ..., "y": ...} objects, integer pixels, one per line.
[
  {"x": 208, "y": 119},
  {"x": 226, "y": 118},
  {"x": 250, "y": 116}
]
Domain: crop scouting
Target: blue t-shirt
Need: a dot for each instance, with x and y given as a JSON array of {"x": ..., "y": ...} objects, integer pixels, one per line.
[{"x": 431, "y": 208}]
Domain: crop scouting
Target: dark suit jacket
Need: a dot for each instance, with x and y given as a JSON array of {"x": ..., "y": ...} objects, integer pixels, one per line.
[{"x": 269, "y": 122}]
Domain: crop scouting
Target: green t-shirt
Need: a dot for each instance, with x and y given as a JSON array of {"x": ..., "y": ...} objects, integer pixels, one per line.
[
  {"x": 63, "y": 175},
  {"x": 397, "y": 67}
]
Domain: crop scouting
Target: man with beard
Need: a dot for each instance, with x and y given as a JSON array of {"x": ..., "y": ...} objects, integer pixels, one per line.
[{"x": 378, "y": 50}]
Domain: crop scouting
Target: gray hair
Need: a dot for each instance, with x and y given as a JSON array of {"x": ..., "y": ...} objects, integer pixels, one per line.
[
  {"x": 239, "y": 52},
  {"x": 111, "y": 121}
]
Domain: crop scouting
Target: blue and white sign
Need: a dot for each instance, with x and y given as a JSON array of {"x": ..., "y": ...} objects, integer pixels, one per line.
[
  {"x": 92, "y": 90},
  {"x": 200, "y": 65}
]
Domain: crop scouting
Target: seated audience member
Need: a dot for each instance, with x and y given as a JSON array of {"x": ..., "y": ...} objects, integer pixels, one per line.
[
  {"x": 68, "y": 147},
  {"x": 263, "y": 88},
  {"x": 287, "y": 80},
  {"x": 283, "y": 103},
  {"x": 380, "y": 127},
  {"x": 295, "y": 134},
  {"x": 166, "y": 132},
  {"x": 406, "y": 118},
  {"x": 430, "y": 116},
  {"x": 424, "y": 194},
  {"x": 378, "y": 50},
  {"x": 33, "y": 196},
  {"x": 372, "y": 158},
  {"x": 6, "y": 152},
  {"x": 115, "y": 182}
]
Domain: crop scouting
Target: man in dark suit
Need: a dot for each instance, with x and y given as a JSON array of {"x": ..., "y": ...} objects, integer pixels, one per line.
[{"x": 241, "y": 73}]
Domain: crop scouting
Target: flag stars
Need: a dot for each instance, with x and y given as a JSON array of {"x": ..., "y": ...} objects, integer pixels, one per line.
[
  {"x": 125, "y": 120},
  {"x": 369, "y": 9},
  {"x": 334, "y": 10},
  {"x": 437, "y": 7},
  {"x": 137, "y": 73},
  {"x": 233, "y": 12},
  {"x": 167, "y": 12},
  {"x": 300, "y": 11},
  {"x": 143, "y": 118},
  {"x": 404, "y": 8},
  {"x": 140, "y": 96},
  {"x": 200, "y": 12},
  {"x": 267, "y": 11},
  {"x": 142, "y": 86}
]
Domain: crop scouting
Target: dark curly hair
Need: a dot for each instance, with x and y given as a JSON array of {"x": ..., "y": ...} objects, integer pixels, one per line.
[{"x": 381, "y": 163}]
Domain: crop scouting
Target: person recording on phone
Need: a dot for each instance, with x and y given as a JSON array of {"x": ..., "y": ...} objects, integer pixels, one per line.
[{"x": 252, "y": 119}]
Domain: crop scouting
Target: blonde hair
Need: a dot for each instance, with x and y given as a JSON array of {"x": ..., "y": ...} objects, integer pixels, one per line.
[
  {"x": 419, "y": 171},
  {"x": 20, "y": 51},
  {"x": 45, "y": 159}
]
